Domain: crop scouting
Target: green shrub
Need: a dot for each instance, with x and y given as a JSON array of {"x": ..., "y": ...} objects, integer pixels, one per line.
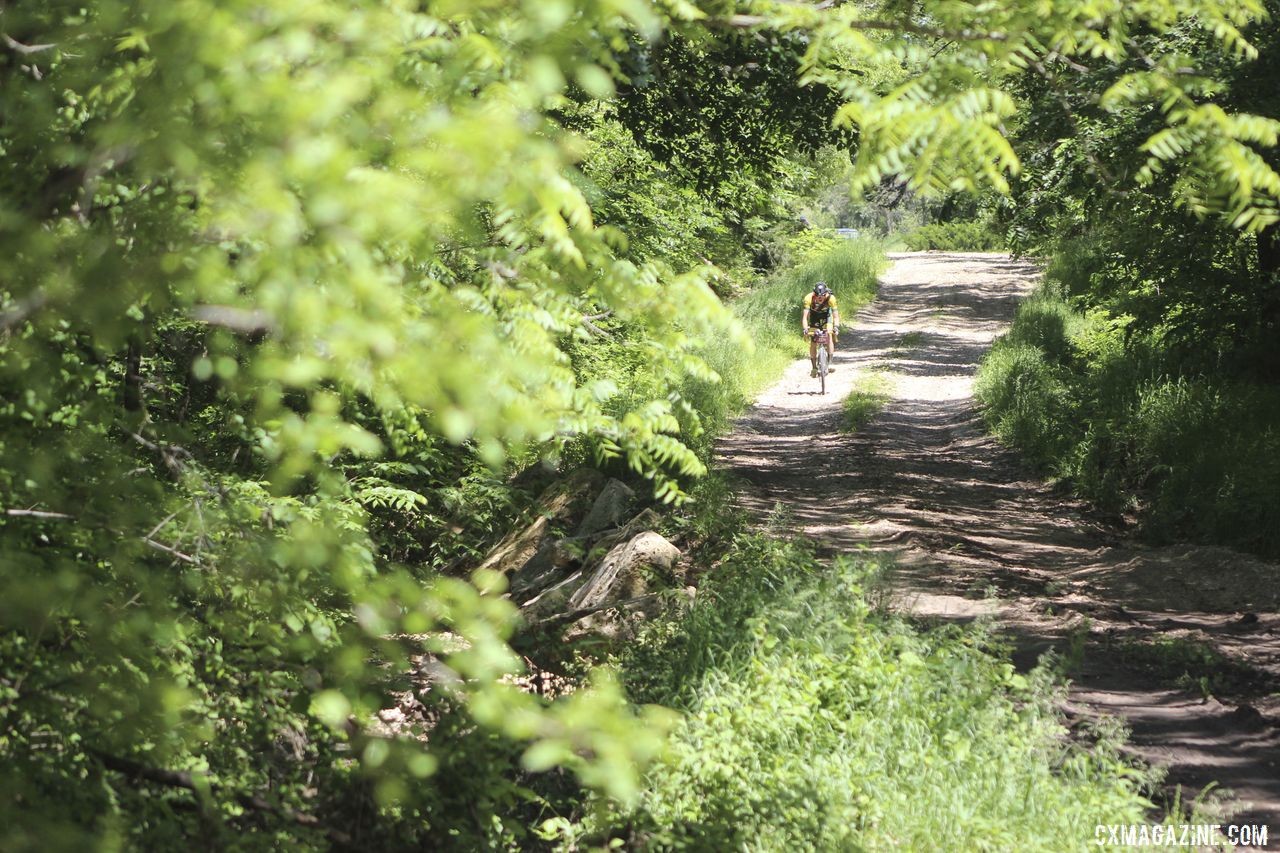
[
  {"x": 958, "y": 236},
  {"x": 811, "y": 244},
  {"x": 1026, "y": 401},
  {"x": 814, "y": 721},
  {"x": 1083, "y": 398}
]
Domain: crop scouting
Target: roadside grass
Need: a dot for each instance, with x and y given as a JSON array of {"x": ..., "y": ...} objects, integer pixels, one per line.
[
  {"x": 907, "y": 342},
  {"x": 1191, "y": 664},
  {"x": 871, "y": 390},
  {"x": 1195, "y": 456},
  {"x": 812, "y": 720}
]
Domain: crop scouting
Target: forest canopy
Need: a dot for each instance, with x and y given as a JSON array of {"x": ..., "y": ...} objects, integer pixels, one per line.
[{"x": 279, "y": 276}]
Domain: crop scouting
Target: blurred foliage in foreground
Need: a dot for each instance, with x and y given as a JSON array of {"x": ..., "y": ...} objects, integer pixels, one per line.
[{"x": 286, "y": 284}]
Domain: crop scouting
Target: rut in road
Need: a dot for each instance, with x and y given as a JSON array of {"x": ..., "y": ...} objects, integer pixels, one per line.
[{"x": 962, "y": 517}]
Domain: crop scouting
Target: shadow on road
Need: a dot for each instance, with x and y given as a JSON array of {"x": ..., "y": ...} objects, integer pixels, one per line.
[{"x": 963, "y": 518}]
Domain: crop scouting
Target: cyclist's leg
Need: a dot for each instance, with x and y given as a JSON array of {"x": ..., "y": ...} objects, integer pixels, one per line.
[{"x": 813, "y": 353}]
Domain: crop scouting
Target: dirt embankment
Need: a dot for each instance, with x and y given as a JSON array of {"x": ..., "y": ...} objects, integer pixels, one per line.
[{"x": 1181, "y": 642}]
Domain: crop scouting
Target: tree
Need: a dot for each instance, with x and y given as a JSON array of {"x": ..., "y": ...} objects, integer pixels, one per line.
[{"x": 263, "y": 258}]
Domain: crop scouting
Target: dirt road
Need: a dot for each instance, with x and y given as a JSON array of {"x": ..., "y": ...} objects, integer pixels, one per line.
[{"x": 1182, "y": 642}]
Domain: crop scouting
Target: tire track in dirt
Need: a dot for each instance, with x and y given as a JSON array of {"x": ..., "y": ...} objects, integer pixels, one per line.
[{"x": 963, "y": 518}]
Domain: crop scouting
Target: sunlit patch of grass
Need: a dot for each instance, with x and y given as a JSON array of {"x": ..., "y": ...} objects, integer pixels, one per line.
[
  {"x": 870, "y": 392},
  {"x": 908, "y": 342},
  {"x": 1191, "y": 664}
]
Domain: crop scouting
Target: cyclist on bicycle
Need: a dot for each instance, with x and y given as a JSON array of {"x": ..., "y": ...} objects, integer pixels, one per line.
[{"x": 820, "y": 313}]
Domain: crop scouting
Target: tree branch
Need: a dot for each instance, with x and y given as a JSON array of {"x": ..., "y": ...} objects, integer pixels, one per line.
[
  {"x": 24, "y": 49},
  {"x": 594, "y": 329},
  {"x": 186, "y": 558},
  {"x": 37, "y": 513},
  {"x": 22, "y": 310},
  {"x": 171, "y": 454}
]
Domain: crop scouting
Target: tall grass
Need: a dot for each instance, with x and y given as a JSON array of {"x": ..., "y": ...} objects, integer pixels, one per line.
[
  {"x": 870, "y": 393},
  {"x": 815, "y": 721},
  {"x": 1196, "y": 456},
  {"x": 771, "y": 315}
]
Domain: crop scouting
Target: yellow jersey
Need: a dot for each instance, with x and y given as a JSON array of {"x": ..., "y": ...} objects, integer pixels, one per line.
[{"x": 820, "y": 315}]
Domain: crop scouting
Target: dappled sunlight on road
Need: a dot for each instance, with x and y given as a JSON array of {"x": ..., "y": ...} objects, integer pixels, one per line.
[{"x": 975, "y": 534}]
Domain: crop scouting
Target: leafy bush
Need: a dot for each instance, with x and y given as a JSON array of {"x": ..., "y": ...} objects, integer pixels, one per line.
[
  {"x": 1196, "y": 455},
  {"x": 815, "y": 721},
  {"x": 810, "y": 244},
  {"x": 958, "y": 236}
]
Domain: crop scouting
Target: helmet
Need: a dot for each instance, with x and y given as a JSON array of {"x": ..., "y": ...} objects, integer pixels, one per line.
[{"x": 821, "y": 288}]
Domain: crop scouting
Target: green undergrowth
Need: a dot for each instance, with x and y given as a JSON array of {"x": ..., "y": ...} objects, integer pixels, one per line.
[
  {"x": 956, "y": 236},
  {"x": 870, "y": 392},
  {"x": 814, "y": 720},
  {"x": 1191, "y": 665},
  {"x": 1192, "y": 454}
]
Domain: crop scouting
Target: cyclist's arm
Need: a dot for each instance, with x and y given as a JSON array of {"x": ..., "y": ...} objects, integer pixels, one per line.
[{"x": 804, "y": 321}]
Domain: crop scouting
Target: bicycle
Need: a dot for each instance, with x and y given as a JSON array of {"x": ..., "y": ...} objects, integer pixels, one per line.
[{"x": 824, "y": 357}]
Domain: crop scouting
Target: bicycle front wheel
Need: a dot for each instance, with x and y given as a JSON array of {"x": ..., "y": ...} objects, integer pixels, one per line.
[{"x": 824, "y": 358}]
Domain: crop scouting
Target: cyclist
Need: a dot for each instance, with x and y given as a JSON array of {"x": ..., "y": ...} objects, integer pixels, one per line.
[{"x": 820, "y": 312}]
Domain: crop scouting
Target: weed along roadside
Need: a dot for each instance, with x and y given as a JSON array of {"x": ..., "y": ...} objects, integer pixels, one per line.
[{"x": 814, "y": 718}]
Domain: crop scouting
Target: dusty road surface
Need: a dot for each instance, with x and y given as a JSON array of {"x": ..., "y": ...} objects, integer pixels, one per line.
[{"x": 1181, "y": 642}]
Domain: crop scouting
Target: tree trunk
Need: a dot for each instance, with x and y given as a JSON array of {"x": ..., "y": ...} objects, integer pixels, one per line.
[
  {"x": 1269, "y": 319},
  {"x": 1269, "y": 251},
  {"x": 133, "y": 377}
]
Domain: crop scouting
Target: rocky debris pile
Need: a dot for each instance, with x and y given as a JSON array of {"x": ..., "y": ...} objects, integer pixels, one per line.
[
  {"x": 590, "y": 565},
  {"x": 587, "y": 570}
]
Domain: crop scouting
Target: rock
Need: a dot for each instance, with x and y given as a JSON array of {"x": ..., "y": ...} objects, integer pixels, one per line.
[
  {"x": 558, "y": 505},
  {"x": 609, "y": 539},
  {"x": 554, "y": 560},
  {"x": 553, "y": 601},
  {"x": 628, "y": 571},
  {"x": 609, "y": 509}
]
